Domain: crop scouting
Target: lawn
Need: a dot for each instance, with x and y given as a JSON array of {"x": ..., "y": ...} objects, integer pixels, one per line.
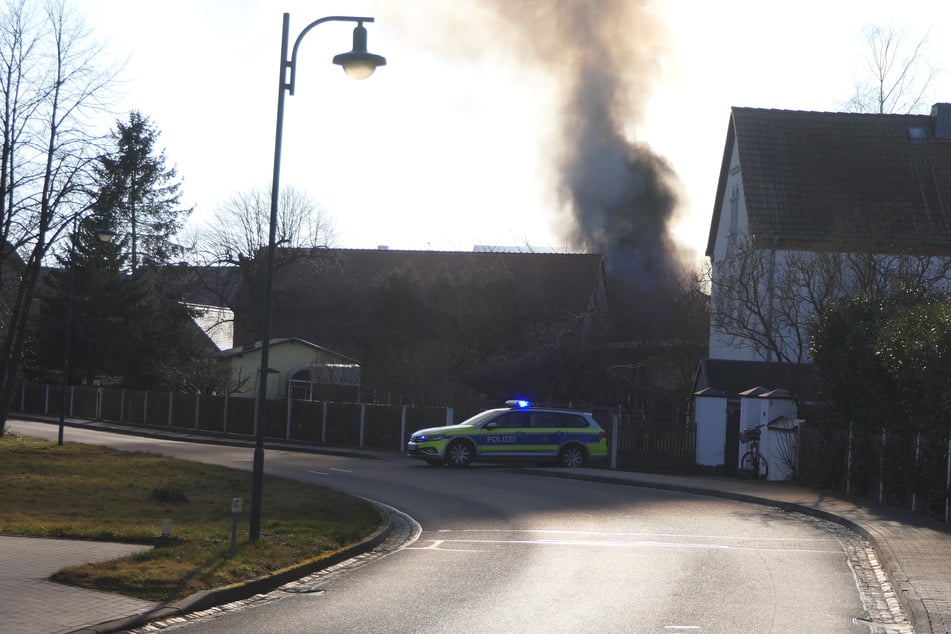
[{"x": 80, "y": 491}]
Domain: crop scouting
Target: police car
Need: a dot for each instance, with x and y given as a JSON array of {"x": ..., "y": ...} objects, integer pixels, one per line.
[{"x": 519, "y": 430}]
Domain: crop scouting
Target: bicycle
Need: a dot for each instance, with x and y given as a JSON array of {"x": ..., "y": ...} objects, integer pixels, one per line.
[{"x": 753, "y": 464}]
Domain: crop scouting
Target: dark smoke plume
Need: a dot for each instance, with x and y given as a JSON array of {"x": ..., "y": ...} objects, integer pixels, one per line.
[{"x": 621, "y": 195}]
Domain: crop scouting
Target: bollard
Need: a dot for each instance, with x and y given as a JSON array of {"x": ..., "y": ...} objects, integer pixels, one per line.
[
  {"x": 165, "y": 540},
  {"x": 235, "y": 512}
]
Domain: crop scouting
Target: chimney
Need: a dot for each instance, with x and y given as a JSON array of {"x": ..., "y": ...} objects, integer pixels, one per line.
[{"x": 941, "y": 113}]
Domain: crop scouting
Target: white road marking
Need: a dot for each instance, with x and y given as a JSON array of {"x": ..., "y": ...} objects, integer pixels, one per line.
[
  {"x": 317, "y": 472},
  {"x": 437, "y": 545},
  {"x": 619, "y": 540},
  {"x": 630, "y": 534},
  {"x": 557, "y": 542},
  {"x": 341, "y": 470}
]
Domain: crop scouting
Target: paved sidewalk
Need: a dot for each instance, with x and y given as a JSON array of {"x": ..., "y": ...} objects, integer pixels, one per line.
[
  {"x": 30, "y": 602},
  {"x": 914, "y": 551}
]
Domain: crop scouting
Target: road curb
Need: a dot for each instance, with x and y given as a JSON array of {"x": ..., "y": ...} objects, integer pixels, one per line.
[{"x": 236, "y": 592}]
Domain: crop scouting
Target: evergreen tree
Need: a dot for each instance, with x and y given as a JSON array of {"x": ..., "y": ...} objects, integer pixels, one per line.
[
  {"x": 91, "y": 274},
  {"x": 139, "y": 194},
  {"x": 128, "y": 329},
  {"x": 128, "y": 325}
]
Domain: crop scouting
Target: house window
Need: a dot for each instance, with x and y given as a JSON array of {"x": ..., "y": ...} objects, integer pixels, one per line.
[
  {"x": 734, "y": 208},
  {"x": 734, "y": 222},
  {"x": 899, "y": 281}
]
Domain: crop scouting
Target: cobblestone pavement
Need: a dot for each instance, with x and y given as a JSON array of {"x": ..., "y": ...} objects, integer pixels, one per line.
[{"x": 31, "y": 603}]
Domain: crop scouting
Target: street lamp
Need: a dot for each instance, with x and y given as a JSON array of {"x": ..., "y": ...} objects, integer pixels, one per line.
[
  {"x": 359, "y": 64},
  {"x": 105, "y": 235}
]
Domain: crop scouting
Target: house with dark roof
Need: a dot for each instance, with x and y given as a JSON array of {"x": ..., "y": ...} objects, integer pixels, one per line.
[
  {"x": 338, "y": 297},
  {"x": 811, "y": 207},
  {"x": 807, "y": 204}
]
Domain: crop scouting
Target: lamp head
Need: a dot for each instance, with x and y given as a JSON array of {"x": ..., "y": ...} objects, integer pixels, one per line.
[
  {"x": 105, "y": 234},
  {"x": 102, "y": 227},
  {"x": 358, "y": 63}
]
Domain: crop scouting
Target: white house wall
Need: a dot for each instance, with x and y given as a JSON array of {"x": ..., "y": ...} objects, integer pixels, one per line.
[
  {"x": 217, "y": 322},
  {"x": 792, "y": 337},
  {"x": 761, "y": 410},
  {"x": 734, "y": 221}
]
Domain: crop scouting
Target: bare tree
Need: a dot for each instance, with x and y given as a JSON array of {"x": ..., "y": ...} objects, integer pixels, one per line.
[
  {"x": 51, "y": 81},
  {"x": 764, "y": 297},
  {"x": 899, "y": 73},
  {"x": 240, "y": 226},
  {"x": 238, "y": 235}
]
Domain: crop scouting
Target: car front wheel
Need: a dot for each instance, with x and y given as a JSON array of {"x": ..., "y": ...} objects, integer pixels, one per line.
[
  {"x": 459, "y": 454},
  {"x": 571, "y": 457}
]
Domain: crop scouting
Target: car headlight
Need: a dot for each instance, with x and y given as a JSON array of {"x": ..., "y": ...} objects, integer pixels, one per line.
[{"x": 429, "y": 437}]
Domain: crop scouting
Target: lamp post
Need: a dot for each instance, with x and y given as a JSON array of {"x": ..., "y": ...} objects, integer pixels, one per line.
[
  {"x": 358, "y": 64},
  {"x": 105, "y": 235}
]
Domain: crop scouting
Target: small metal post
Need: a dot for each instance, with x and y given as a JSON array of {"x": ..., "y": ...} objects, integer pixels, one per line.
[{"x": 236, "y": 504}]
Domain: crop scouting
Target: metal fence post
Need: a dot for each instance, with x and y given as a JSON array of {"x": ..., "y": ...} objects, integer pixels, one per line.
[
  {"x": 323, "y": 426},
  {"x": 449, "y": 415},
  {"x": 848, "y": 463},
  {"x": 615, "y": 420},
  {"x": 363, "y": 422},
  {"x": 197, "y": 404},
  {"x": 881, "y": 470},
  {"x": 914, "y": 493},
  {"x": 287, "y": 422},
  {"x": 145, "y": 409},
  {"x": 171, "y": 406},
  {"x": 403, "y": 429},
  {"x": 947, "y": 490}
]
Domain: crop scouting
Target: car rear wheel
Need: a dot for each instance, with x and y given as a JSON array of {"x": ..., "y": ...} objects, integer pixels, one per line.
[
  {"x": 459, "y": 453},
  {"x": 571, "y": 456}
]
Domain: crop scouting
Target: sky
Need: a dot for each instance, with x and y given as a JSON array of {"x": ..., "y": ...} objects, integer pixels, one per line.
[{"x": 460, "y": 140}]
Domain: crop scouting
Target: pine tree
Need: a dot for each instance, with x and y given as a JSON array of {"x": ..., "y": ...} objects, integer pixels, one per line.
[
  {"x": 128, "y": 325},
  {"x": 140, "y": 195},
  {"x": 91, "y": 275}
]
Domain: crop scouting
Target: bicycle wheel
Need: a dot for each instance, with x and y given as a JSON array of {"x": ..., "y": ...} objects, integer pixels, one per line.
[{"x": 754, "y": 466}]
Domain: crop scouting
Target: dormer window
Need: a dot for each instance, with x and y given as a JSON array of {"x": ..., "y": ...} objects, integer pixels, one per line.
[{"x": 917, "y": 134}]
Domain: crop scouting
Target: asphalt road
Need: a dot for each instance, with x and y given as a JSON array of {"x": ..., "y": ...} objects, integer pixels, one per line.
[{"x": 506, "y": 551}]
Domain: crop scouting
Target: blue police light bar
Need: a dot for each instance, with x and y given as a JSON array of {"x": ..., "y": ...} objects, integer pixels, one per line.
[{"x": 518, "y": 403}]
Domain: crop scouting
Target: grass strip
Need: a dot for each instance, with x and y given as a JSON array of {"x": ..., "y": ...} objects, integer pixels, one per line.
[{"x": 78, "y": 491}]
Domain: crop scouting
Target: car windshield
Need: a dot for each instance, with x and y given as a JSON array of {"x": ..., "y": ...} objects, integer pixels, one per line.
[{"x": 481, "y": 417}]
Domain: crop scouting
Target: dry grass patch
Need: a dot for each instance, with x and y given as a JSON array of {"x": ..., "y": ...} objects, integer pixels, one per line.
[{"x": 90, "y": 492}]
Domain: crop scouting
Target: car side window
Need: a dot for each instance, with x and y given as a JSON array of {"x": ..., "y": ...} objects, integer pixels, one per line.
[
  {"x": 546, "y": 419},
  {"x": 512, "y": 420},
  {"x": 573, "y": 421}
]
